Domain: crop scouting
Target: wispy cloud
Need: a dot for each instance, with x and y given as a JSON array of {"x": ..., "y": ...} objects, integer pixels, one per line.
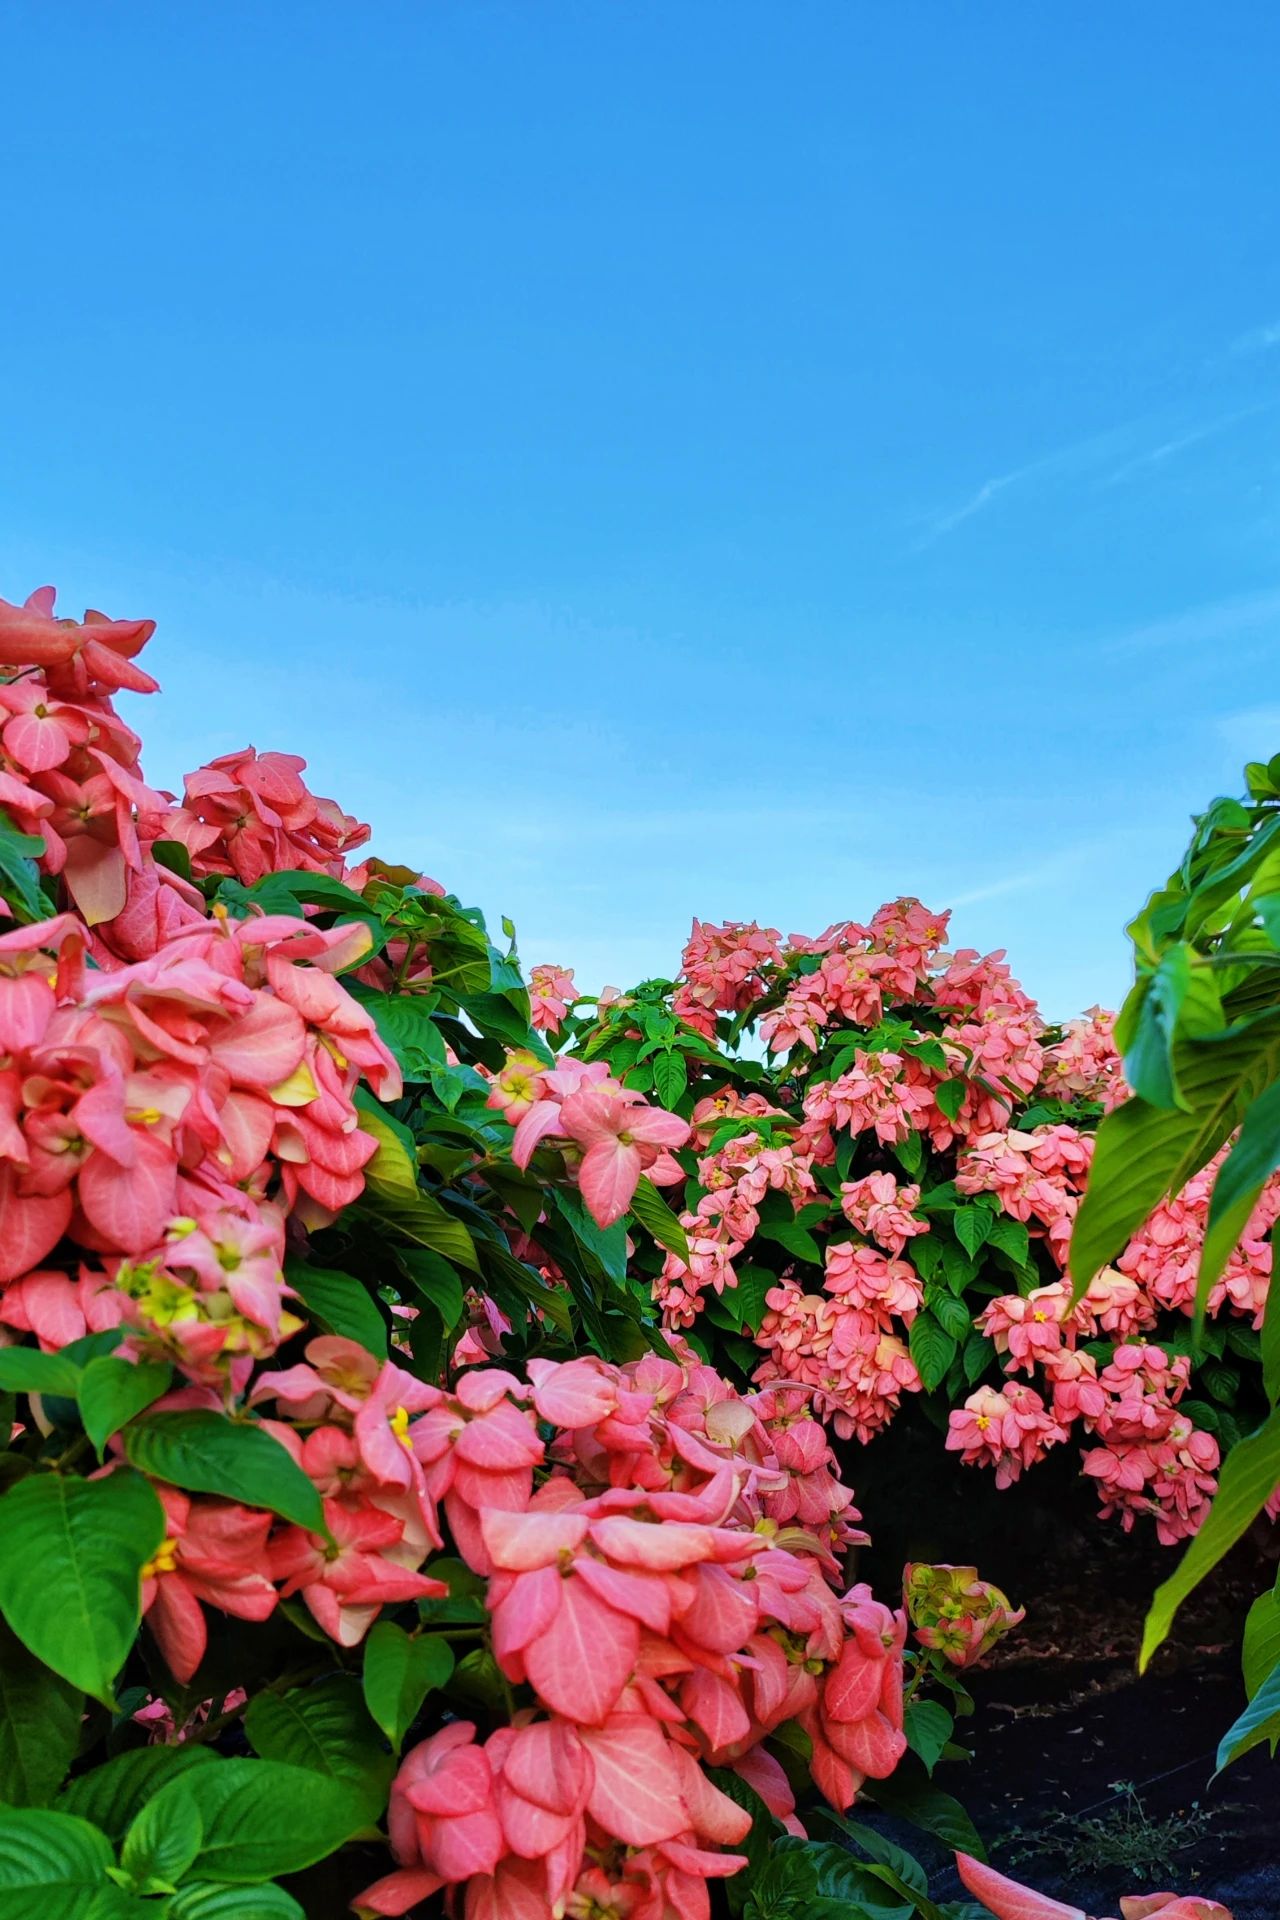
[
  {"x": 1084, "y": 460},
  {"x": 1077, "y": 455},
  {"x": 1194, "y": 437},
  {"x": 1042, "y": 874},
  {"x": 1258, "y": 339},
  {"x": 1220, "y": 620}
]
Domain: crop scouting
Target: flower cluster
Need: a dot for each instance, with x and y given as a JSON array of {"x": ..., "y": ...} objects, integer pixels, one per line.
[
  {"x": 164, "y": 1117},
  {"x": 954, "y": 1613},
  {"x": 609, "y": 1133},
  {"x": 664, "y": 1595}
]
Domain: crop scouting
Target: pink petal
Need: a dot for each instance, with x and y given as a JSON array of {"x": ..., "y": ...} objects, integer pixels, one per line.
[
  {"x": 1006, "y": 1898},
  {"x": 33, "y": 1225},
  {"x": 608, "y": 1178},
  {"x": 635, "y": 1795},
  {"x": 586, "y": 1656}
]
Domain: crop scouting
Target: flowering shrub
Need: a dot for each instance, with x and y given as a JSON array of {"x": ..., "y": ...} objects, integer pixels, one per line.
[
  {"x": 881, "y": 1208},
  {"x": 348, "y": 1469}
]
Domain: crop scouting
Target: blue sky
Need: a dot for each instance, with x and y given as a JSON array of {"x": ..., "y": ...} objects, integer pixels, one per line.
[{"x": 741, "y": 459}]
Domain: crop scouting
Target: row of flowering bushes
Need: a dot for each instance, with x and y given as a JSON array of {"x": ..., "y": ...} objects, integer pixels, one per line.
[
  {"x": 881, "y": 1206},
  {"x": 352, "y": 1470}
]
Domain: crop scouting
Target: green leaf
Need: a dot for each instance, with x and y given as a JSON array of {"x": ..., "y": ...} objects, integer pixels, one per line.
[
  {"x": 173, "y": 855},
  {"x": 952, "y": 1315},
  {"x": 338, "y": 1303},
  {"x": 111, "y": 1796},
  {"x": 1145, "y": 1152},
  {"x": 1179, "y": 998},
  {"x": 113, "y": 1391},
  {"x": 608, "y": 1245},
  {"x": 263, "y": 1818},
  {"x": 326, "y": 1728},
  {"x": 400, "y": 1670},
  {"x": 1260, "y": 1721},
  {"x": 1261, "y": 1649},
  {"x": 19, "y": 875},
  {"x": 163, "y": 1841},
  {"x": 796, "y": 1239},
  {"x": 1012, "y": 1237},
  {"x": 745, "y": 1304},
  {"x": 432, "y": 1277},
  {"x": 405, "y": 1025},
  {"x": 27, "y": 1370},
  {"x": 932, "y": 1349},
  {"x": 973, "y": 1227},
  {"x": 203, "y": 1452},
  {"x": 1248, "y": 1478},
  {"x": 928, "y": 1728},
  {"x": 50, "y": 1864},
  {"x": 950, "y": 1096},
  {"x": 210, "y": 1900},
  {"x": 653, "y": 1213},
  {"x": 39, "y": 1726},
  {"x": 1238, "y": 1188},
  {"x": 70, "y": 1571},
  {"x": 670, "y": 1078},
  {"x": 928, "y": 1808},
  {"x": 393, "y": 1196}
]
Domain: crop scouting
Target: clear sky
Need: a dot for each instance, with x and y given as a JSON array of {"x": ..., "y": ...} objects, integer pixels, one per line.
[{"x": 699, "y": 456}]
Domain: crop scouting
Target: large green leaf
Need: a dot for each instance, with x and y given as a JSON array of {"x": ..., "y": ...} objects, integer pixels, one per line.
[
  {"x": 210, "y": 1900},
  {"x": 434, "y": 1278},
  {"x": 405, "y": 1024},
  {"x": 113, "y": 1391},
  {"x": 652, "y": 1211},
  {"x": 400, "y": 1670},
  {"x": 1238, "y": 1188},
  {"x": 338, "y": 1303},
  {"x": 1145, "y": 1152},
  {"x": 27, "y": 1370},
  {"x": 163, "y": 1841},
  {"x": 263, "y": 1818},
  {"x": 203, "y": 1452},
  {"x": 71, "y": 1567},
  {"x": 111, "y": 1796},
  {"x": 1260, "y": 1721},
  {"x": 908, "y": 1797},
  {"x": 1249, "y": 1476},
  {"x": 39, "y": 1726},
  {"x": 932, "y": 1349},
  {"x": 393, "y": 1196},
  {"x": 50, "y": 1865},
  {"x": 1178, "y": 999},
  {"x": 1261, "y": 1649},
  {"x": 326, "y": 1728}
]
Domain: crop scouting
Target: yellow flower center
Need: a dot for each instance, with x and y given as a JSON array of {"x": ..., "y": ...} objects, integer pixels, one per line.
[
  {"x": 984, "y": 1421},
  {"x": 163, "y": 1560},
  {"x": 400, "y": 1427}
]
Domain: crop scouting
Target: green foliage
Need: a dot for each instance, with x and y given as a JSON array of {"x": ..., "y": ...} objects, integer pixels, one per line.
[
  {"x": 203, "y": 1452},
  {"x": 71, "y": 1568}
]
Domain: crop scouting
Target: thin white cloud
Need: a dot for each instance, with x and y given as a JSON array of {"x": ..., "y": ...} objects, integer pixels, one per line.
[
  {"x": 1221, "y": 620},
  {"x": 1179, "y": 444},
  {"x": 1258, "y": 339},
  {"x": 1082, "y": 458}
]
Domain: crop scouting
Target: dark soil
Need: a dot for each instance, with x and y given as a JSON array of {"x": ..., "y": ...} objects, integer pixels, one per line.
[{"x": 1089, "y": 1782}]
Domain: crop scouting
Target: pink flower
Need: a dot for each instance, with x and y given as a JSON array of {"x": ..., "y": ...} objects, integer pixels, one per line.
[
  {"x": 213, "y": 1551},
  {"x": 620, "y": 1136},
  {"x": 551, "y": 990}
]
